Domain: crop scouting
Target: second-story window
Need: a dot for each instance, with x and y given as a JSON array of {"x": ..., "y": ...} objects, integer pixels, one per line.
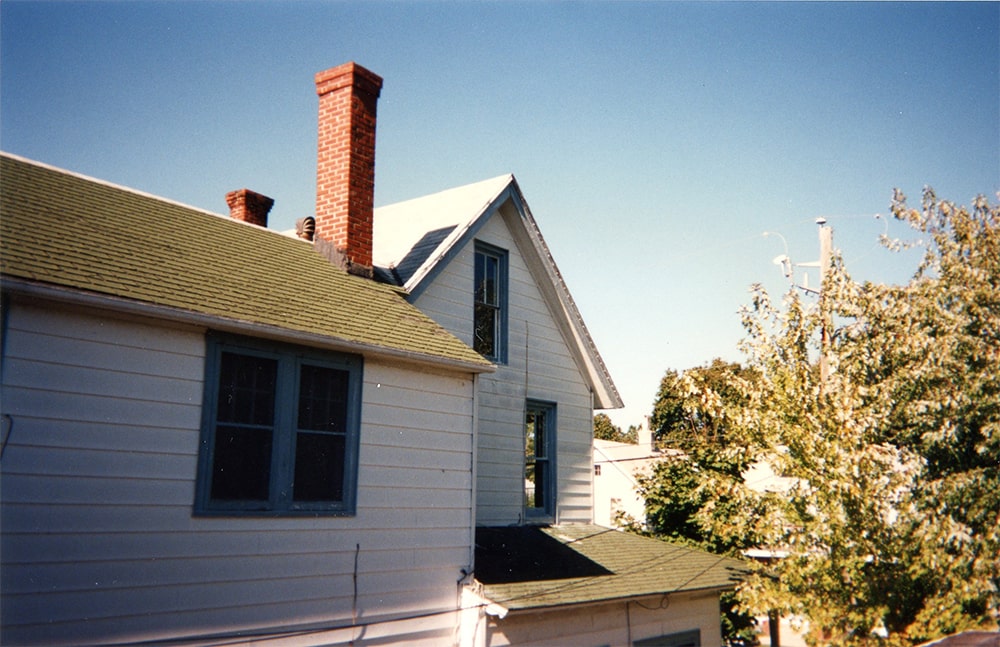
[{"x": 490, "y": 317}]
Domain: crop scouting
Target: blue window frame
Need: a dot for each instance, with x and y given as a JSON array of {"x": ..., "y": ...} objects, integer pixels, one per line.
[
  {"x": 280, "y": 429},
  {"x": 489, "y": 337},
  {"x": 539, "y": 460}
]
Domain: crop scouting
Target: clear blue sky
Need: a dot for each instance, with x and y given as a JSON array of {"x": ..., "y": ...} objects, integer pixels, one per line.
[{"x": 655, "y": 142}]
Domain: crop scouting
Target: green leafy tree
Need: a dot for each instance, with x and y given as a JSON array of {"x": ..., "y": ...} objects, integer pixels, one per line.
[
  {"x": 698, "y": 485},
  {"x": 688, "y": 413},
  {"x": 604, "y": 429},
  {"x": 891, "y": 519}
]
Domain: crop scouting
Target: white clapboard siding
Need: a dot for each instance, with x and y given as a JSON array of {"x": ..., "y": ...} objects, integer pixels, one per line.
[
  {"x": 617, "y": 623},
  {"x": 540, "y": 366},
  {"x": 99, "y": 540}
]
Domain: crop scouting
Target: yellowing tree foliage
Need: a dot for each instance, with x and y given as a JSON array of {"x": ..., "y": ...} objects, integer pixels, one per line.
[{"x": 890, "y": 523}]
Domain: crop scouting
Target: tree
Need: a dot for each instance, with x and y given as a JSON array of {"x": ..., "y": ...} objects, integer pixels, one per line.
[
  {"x": 702, "y": 477},
  {"x": 891, "y": 522},
  {"x": 604, "y": 429},
  {"x": 684, "y": 412}
]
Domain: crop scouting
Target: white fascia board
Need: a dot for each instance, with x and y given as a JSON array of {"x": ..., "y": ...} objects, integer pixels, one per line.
[
  {"x": 605, "y": 393},
  {"x": 85, "y": 299}
]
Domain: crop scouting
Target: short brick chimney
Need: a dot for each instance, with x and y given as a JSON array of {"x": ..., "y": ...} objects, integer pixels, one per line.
[
  {"x": 345, "y": 170},
  {"x": 248, "y": 206}
]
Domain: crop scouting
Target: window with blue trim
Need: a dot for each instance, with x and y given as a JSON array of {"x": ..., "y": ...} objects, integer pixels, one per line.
[
  {"x": 489, "y": 337},
  {"x": 539, "y": 459},
  {"x": 280, "y": 429}
]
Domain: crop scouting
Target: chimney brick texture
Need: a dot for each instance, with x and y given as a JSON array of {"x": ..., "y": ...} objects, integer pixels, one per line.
[
  {"x": 248, "y": 206},
  {"x": 345, "y": 169}
]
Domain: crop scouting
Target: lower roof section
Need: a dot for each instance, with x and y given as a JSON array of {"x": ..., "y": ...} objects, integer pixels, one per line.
[{"x": 534, "y": 567}]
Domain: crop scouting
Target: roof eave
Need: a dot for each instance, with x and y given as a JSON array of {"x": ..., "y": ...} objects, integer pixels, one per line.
[
  {"x": 501, "y": 611},
  {"x": 82, "y": 298}
]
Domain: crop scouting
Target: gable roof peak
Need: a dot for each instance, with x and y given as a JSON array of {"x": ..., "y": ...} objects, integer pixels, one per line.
[{"x": 399, "y": 227}]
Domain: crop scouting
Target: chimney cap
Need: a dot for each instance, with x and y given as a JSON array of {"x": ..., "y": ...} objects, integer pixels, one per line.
[{"x": 348, "y": 74}]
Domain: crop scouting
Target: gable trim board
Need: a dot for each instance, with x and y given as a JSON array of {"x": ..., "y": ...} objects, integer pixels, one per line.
[
  {"x": 76, "y": 239},
  {"x": 459, "y": 208}
]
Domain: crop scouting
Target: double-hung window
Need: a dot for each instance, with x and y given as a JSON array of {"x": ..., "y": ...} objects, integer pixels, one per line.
[
  {"x": 489, "y": 336},
  {"x": 539, "y": 459},
  {"x": 280, "y": 429}
]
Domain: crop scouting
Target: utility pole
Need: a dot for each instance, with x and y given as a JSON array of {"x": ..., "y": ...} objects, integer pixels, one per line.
[
  {"x": 825, "y": 256},
  {"x": 824, "y": 263}
]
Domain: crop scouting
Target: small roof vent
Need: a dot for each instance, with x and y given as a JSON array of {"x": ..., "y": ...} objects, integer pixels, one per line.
[{"x": 305, "y": 228}]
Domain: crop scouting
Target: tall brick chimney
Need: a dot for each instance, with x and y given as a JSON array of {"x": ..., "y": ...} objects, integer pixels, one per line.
[
  {"x": 248, "y": 206},
  {"x": 345, "y": 169}
]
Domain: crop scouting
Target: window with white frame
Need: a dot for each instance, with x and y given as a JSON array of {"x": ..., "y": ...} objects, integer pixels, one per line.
[{"x": 280, "y": 429}]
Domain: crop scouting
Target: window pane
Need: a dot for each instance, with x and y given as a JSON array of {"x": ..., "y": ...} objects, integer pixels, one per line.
[
  {"x": 319, "y": 467},
  {"x": 541, "y": 446},
  {"x": 490, "y": 282},
  {"x": 242, "y": 467},
  {"x": 322, "y": 399},
  {"x": 320, "y": 455},
  {"x": 535, "y": 465},
  {"x": 541, "y": 484},
  {"x": 486, "y": 330},
  {"x": 246, "y": 389},
  {"x": 480, "y": 278}
]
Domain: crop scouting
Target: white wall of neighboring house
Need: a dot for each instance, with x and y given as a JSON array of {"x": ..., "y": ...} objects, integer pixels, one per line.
[
  {"x": 613, "y": 623},
  {"x": 616, "y": 466},
  {"x": 99, "y": 543},
  {"x": 540, "y": 367}
]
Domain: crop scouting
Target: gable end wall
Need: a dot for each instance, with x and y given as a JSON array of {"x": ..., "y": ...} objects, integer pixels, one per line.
[{"x": 540, "y": 367}]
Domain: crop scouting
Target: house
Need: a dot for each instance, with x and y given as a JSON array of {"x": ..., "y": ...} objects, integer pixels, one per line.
[
  {"x": 617, "y": 467},
  {"x": 207, "y": 427},
  {"x": 376, "y": 430}
]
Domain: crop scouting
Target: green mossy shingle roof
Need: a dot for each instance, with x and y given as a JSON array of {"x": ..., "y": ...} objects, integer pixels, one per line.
[
  {"x": 64, "y": 230},
  {"x": 536, "y": 567}
]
